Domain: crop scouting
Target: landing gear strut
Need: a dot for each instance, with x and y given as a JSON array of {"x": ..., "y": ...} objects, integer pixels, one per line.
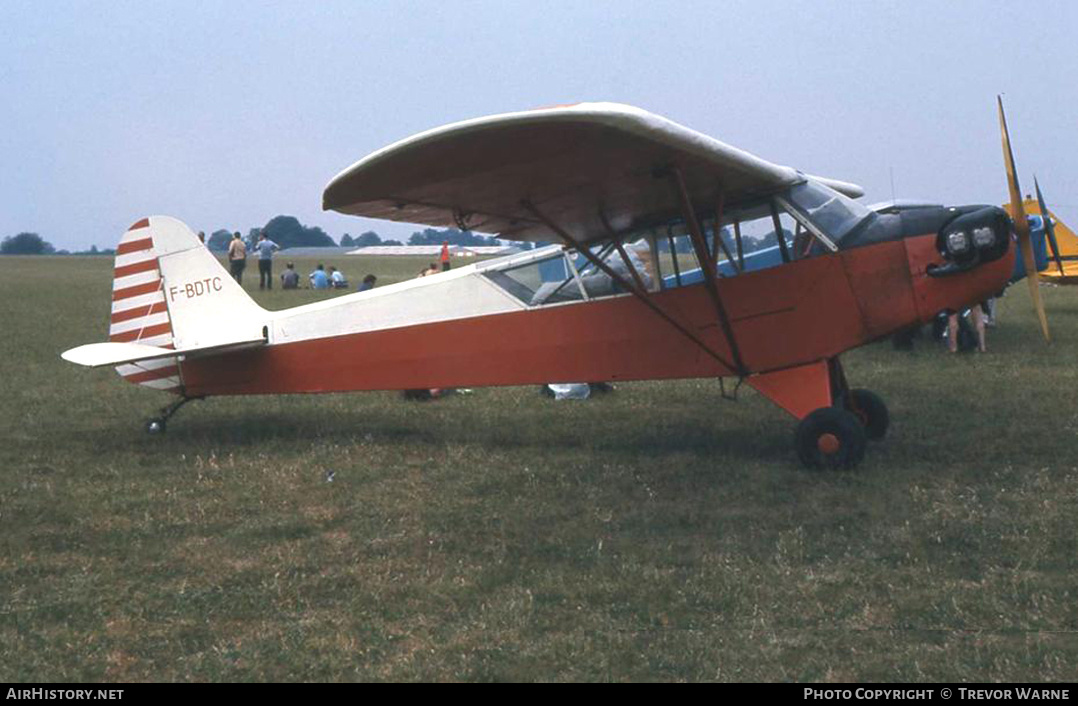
[
  {"x": 158, "y": 424},
  {"x": 870, "y": 411}
]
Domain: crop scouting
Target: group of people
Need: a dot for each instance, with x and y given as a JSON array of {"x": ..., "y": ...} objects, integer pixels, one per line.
[
  {"x": 237, "y": 259},
  {"x": 320, "y": 279},
  {"x": 433, "y": 269},
  {"x": 290, "y": 279}
]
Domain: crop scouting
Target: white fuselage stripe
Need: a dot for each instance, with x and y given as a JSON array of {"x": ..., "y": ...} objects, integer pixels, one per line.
[{"x": 454, "y": 295}]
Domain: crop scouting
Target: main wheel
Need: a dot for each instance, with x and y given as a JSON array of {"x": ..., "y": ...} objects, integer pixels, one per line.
[
  {"x": 870, "y": 410},
  {"x": 830, "y": 438}
]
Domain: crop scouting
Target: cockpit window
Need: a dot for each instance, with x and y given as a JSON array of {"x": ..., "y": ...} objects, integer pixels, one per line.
[
  {"x": 803, "y": 221},
  {"x": 565, "y": 276},
  {"x": 831, "y": 212}
]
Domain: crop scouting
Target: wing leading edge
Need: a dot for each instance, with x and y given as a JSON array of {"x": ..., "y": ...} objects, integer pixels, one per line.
[{"x": 581, "y": 165}]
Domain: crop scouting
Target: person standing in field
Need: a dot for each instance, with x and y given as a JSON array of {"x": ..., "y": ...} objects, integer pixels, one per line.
[
  {"x": 445, "y": 256},
  {"x": 954, "y": 327},
  {"x": 237, "y": 257},
  {"x": 265, "y": 248}
]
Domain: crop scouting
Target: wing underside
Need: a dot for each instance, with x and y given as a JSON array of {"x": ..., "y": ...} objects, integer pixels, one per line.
[{"x": 589, "y": 168}]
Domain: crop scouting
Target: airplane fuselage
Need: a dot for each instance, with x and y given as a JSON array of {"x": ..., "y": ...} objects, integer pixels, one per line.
[{"x": 460, "y": 329}]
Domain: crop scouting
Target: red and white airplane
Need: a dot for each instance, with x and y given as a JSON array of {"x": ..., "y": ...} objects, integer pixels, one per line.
[{"x": 652, "y": 278}]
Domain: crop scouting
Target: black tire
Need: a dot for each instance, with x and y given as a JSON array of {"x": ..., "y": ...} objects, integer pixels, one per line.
[
  {"x": 871, "y": 411},
  {"x": 830, "y": 427}
]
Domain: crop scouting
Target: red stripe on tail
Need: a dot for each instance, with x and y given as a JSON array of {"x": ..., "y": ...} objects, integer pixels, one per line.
[
  {"x": 137, "y": 290},
  {"x": 134, "y": 269},
  {"x": 134, "y": 246},
  {"x": 128, "y": 314}
]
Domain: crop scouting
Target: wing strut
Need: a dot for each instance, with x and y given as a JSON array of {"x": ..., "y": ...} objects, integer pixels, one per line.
[
  {"x": 704, "y": 258},
  {"x": 673, "y": 254},
  {"x": 779, "y": 234},
  {"x": 640, "y": 294},
  {"x": 621, "y": 251},
  {"x": 740, "y": 247},
  {"x": 719, "y": 242}
]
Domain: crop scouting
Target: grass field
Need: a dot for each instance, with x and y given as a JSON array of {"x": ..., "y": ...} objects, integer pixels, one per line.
[{"x": 658, "y": 533}]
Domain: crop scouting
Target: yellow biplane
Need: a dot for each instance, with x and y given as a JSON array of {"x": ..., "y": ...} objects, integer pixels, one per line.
[{"x": 1062, "y": 242}]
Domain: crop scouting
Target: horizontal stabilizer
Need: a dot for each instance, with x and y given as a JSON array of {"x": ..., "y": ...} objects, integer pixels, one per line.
[{"x": 95, "y": 355}]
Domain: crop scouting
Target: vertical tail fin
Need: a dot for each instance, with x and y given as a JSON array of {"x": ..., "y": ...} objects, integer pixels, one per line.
[
  {"x": 169, "y": 291},
  {"x": 139, "y": 311}
]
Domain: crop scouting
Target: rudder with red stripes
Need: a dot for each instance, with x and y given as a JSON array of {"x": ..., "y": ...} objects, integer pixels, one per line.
[{"x": 139, "y": 311}]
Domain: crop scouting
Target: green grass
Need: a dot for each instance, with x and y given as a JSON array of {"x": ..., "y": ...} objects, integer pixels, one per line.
[{"x": 658, "y": 533}]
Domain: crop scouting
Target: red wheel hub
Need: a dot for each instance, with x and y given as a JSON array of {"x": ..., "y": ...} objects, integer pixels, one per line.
[{"x": 828, "y": 444}]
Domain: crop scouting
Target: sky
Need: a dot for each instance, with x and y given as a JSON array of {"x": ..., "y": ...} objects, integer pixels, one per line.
[{"x": 227, "y": 113}]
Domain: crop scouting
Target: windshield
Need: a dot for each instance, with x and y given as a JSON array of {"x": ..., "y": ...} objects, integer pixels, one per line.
[{"x": 834, "y": 214}]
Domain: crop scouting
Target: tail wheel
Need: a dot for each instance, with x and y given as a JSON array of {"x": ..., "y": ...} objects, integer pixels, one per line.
[
  {"x": 830, "y": 438},
  {"x": 871, "y": 412}
]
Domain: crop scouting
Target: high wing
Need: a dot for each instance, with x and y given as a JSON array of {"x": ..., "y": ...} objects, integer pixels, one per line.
[{"x": 579, "y": 165}]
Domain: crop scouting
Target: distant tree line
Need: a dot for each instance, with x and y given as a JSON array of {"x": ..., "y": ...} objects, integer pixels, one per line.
[
  {"x": 751, "y": 243},
  {"x": 26, "y": 244},
  {"x": 286, "y": 231},
  {"x": 34, "y": 244},
  {"x": 428, "y": 236},
  {"x": 365, "y": 240}
]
